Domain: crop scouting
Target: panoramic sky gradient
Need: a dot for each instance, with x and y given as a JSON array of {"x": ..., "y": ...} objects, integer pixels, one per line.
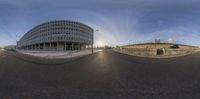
[{"x": 118, "y": 21}]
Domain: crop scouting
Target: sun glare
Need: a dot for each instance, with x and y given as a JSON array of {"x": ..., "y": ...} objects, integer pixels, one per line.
[{"x": 100, "y": 44}]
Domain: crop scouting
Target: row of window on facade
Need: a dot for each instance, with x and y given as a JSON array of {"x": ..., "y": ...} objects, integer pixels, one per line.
[
  {"x": 82, "y": 39},
  {"x": 50, "y": 39},
  {"x": 60, "y": 29},
  {"x": 38, "y": 28},
  {"x": 61, "y": 23},
  {"x": 64, "y": 23},
  {"x": 58, "y": 37},
  {"x": 57, "y": 34}
]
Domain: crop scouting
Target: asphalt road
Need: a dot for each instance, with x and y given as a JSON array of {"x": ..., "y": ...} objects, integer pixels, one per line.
[{"x": 103, "y": 75}]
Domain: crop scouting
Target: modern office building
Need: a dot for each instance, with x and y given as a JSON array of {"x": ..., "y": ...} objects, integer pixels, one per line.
[{"x": 57, "y": 35}]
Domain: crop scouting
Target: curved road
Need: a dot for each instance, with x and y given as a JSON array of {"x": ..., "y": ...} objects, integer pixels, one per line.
[{"x": 103, "y": 75}]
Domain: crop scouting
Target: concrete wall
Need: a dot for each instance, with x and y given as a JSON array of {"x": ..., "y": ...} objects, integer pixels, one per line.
[{"x": 151, "y": 49}]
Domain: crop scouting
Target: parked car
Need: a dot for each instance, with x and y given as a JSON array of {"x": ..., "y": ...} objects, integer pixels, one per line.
[{"x": 175, "y": 46}]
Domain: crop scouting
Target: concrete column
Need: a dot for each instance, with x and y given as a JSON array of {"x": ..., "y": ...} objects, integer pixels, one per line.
[
  {"x": 44, "y": 47},
  {"x": 79, "y": 46},
  {"x": 39, "y": 46},
  {"x": 36, "y": 46},
  {"x": 57, "y": 46},
  {"x": 83, "y": 46},
  {"x": 50, "y": 45},
  {"x": 65, "y": 47},
  {"x": 72, "y": 46}
]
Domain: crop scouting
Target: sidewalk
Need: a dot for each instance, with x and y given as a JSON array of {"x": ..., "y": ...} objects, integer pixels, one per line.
[{"x": 58, "y": 54}]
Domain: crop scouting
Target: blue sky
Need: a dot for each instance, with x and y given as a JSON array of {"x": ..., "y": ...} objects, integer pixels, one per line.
[{"x": 118, "y": 21}]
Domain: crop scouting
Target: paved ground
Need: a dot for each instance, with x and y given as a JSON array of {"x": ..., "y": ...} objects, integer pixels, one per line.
[{"x": 104, "y": 75}]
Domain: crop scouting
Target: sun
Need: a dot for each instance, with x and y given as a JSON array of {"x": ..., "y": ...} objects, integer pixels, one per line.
[{"x": 100, "y": 43}]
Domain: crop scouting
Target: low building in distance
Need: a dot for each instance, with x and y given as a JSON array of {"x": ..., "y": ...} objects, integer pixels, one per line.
[
  {"x": 10, "y": 47},
  {"x": 58, "y": 35}
]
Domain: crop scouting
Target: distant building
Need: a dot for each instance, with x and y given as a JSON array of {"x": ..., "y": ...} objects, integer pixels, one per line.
[
  {"x": 57, "y": 35},
  {"x": 10, "y": 47}
]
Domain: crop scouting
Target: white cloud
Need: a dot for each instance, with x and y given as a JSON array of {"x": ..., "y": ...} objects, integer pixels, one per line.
[{"x": 171, "y": 40}]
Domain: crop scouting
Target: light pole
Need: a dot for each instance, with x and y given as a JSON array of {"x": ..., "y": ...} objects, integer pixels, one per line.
[{"x": 93, "y": 40}]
